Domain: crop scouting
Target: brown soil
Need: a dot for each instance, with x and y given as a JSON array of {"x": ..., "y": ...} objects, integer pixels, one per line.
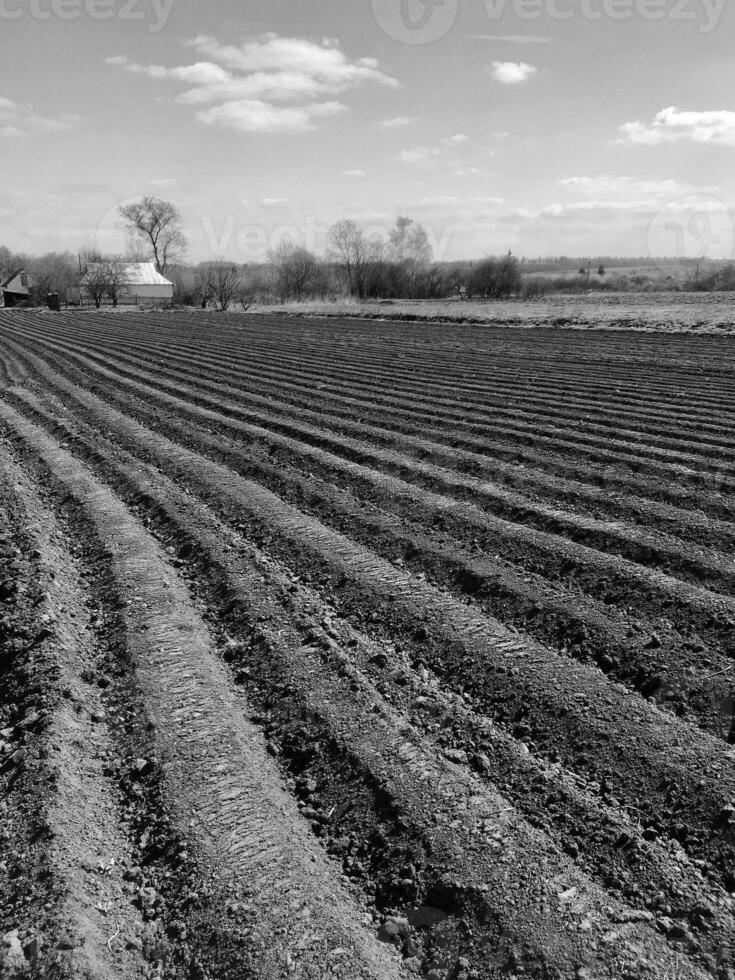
[{"x": 339, "y": 649}]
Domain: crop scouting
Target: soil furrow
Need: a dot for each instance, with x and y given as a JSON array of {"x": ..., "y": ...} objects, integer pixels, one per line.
[{"x": 221, "y": 783}]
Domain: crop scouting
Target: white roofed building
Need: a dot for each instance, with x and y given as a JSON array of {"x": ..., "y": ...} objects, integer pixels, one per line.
[{"x": 143, "y": 283}]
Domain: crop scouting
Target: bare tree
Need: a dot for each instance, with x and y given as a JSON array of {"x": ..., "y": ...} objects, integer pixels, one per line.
[
  {"x": 377, "y": 267},
  {"x": 54, "y": 272},
  {"x": 117, "y": 280},
  {"x": 95, "y": 282},
  {"x": 347, "y": 243},
  {"x": 298, "y": 273},
  {"x": 411, "y": 251},
  {"x": 398, "y": 238},
  {"x": 156, "y": 224},
  {"x": 219, "y": 282},
  {"x": 105, "y": 277}
]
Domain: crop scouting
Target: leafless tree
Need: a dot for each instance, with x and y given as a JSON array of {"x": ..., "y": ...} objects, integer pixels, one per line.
[
  {"x": 298, "y": 273},
  {"x": 117, "y": 280},
  {"x": 347, "y": 244},
  {"x": 246, "y": 295},
  {"x": 105, "y": 277},
  {"x": 157, "y": 225},
  {"x": 411, "y": 251},
  {"x": 377, "y": 267},
  {"x": 54, "y": 272},
  {"x": 96, "y": 282},
  {"x": 219, "y": 282}
]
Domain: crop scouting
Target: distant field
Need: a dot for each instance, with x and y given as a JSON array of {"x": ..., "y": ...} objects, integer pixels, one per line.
[
  {"x": 369, "y": 644},
  {"x": 670, "y": 312}
]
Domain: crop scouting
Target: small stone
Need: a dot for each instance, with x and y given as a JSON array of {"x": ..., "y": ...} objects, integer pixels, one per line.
[
  {"x": 388, "y": 933},
  {"x": 394, "y": 927},
  {"x": 12, "y": 957}
]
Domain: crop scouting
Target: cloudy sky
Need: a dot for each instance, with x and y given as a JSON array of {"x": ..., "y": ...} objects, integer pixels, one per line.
[{"x": 545, "y": 126}]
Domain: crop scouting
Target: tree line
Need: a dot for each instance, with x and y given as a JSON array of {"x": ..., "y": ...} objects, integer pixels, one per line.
[{"x": 399, "y": 265}]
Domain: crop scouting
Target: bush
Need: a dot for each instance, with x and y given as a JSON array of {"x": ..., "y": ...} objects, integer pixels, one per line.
[{"x": 496, "y": 278}]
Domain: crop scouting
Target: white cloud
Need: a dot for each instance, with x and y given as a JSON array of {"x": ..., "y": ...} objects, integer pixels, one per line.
[
  {"x": 610, "y": 194},
  {"x": 623, "y": 187},
  {"x": 398, "y": 122},
  {"x": 422, "y": 153},
  {"x": 512, "y": 72},
  {"x": 267, "y": 83},
  {"x": 275, "y": 202},
  {"x": 18, "y": 121},
  {"x": 270, "y": 53},
  {"x": 253, "y": 116},
  {"x": 672, "y": 124},
  {"x": 353, "y": 173},
  {"x": 510, "y": 38},
  {"x": 418, "y": 153}
]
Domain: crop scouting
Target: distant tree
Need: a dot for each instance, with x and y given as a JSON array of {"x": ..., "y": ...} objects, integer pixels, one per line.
[
  {"x": 9, "y": 262},
  {"x": 411, "y": 251},
  {"x": 117, "y": 280},
  {"x": 601, "y": 270},
  {"x": 297, "y": 272},
  {"x": 103, "y": 278},
  {"x": 726, "y": 277},
  {"x": 55, "y": 272},
  {"x": 436, "y": 282},
  {"x": 219, "y": 282},
  {"x": 535, "y": 287},
  {"x": 398, "y": 238},
  {"x": 156, "y": 224},
  {"x": 495, "y": 278},
  {"x": 349, "y": 248},
  {"x": 378, "y": 280}
]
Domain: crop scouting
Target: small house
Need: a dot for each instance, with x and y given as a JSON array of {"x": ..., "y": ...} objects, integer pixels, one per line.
[
  {"x": 15, "y": 289},
  {"x": 139, "y": 283}
]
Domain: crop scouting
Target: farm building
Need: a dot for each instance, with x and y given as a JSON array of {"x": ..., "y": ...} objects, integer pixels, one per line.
[
  {"x": 143, "y": 283},
  {"x": 15, "y": 289}
]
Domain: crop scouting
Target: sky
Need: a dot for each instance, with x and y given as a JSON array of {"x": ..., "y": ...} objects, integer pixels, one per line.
[{"x": 549, "y": 127}]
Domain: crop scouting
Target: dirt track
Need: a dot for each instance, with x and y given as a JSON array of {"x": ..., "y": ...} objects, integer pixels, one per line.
[{"x": 347, "y": 649}]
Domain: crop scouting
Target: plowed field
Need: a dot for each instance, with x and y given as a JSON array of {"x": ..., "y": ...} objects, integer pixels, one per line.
[{"x": 346, "y": 649}]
